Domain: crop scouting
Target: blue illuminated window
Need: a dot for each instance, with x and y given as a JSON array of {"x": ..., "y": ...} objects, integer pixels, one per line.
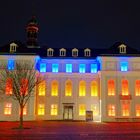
[
  {"x": 54, "y": 67},
  {"x": 42, "y": 67},
  {"x": 11, "y": 64},
  {"x": 94, "y": 68},
  {"x": 82, "y": 68},
  {"x": 68, "y": 67},
  {"x": 124, "y": 66}
]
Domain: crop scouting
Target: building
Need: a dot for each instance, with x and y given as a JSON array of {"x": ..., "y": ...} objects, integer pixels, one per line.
[{"x": 104, "y": 81}]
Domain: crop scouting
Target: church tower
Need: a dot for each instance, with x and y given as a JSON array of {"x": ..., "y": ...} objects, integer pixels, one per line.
[{"x": 32, "y": 31}]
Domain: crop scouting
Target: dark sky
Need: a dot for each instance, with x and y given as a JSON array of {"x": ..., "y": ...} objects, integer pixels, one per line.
[{"x": 73, "y": 23}]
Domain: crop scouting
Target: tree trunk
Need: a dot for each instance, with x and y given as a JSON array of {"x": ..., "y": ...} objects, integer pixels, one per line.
[{"x": 21, "y": 117}]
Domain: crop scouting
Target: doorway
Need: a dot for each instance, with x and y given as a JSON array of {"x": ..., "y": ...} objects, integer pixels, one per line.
[{"x": 68, "y": 112}]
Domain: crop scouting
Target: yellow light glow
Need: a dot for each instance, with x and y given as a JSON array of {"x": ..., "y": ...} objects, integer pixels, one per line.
[
  {"x": 54, "y": 88},
  {"x": 54, "y": 109},
  {"x": 137, "y": 88},
  {"x": 8, "y": 109},
  {"x": 94, "y": 88},
  {"x": 41, "y": 109},
  {"x": 111, "y": 88},
  {"x": 111, "y": 110},
  {"x": 125, "y": 87},
  {"x": 125, "y": 110},
  {"x": 42, "y": 88},
  {"x": 82, "y": 110},
  {"x": 68, "y": 88},
  {"x": 82, "y": 88}
]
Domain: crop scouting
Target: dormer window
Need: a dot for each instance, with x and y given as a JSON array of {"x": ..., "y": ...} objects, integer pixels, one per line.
[
  {"x": 74, "y": 52},
  {"x": 87, "y": 52},
  {"x": 62, "y": 52},
  {"x": 13, "y": 47},
  {"x": 50, "y": 52},
  {"x": 122, "y": 48}
]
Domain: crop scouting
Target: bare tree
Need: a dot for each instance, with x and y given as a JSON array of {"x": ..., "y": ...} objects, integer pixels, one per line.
[{"x": 24, "y": 79}]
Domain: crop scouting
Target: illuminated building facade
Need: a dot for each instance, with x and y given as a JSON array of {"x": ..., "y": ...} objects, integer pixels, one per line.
[{"x": 105, "y": 81}]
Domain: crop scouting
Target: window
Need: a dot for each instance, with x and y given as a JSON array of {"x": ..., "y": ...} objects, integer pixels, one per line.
[
  {"x": 87, "y": 52},
  {"x": 125, "y": 87},
  {"x": 125, "y": 109},
  {"x": 54, "y": 88},
  {"x": 62, "y": 52},
  {"x": 122, "y": 48},
  {"x": 13, "y": 47},
  {"x": 8, "y": 109},
  {"x": 8, "y": 87},
  {"x": 69, "y": 68},
  {"x": 94, "y": 88},
  {"x": 82, "y": 109},
  {"x": 93, "y": 68},
  {"x": 82, "y": 88},
  {"x": 54, "y": 67},
  {"x": 53, "y": 109},
  {"x": 111, "y": 87},
  {"x": 111, "y": 110},
  {"x": 50, "y": 52},
  {"x": 94, "y": 108},
  {"x": 124, "y": 66},
  {"x": 25, "y": 110},
  {"x": 138, "y": 110},
  {"x": 42, "y": 67},
  {"x": 82, "y": 68},
  {"x": 137, "y": 87},
  {"x": 74, "y": 52},
  {"x": 41, "y": 109},
  {"x": 11, "y": 64},
  {"x": 68, "y": 88},
  {"x": 24, "y": 86},
  {"x": 42, "y": 88}
]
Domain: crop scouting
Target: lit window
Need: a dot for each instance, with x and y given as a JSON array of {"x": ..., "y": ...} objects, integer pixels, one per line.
[
  {"x": 87, "y": 52},
  {"x": 111, "y": 87},
  {"x": 82, "y": 110},
  {"x": 82, "y": 88},
  {"x": 68, "y": 88},
  {"x": 75, "y": 52},
  {"x": 54, "y": 67},
  {"x": 24, "y": 86},
  {"x": 25, "y": 110},
  {"x": 111, "y": 110},
  {"x": 125, "y": 109},
  {"x": 8, "y": 86},
  {"x": 94, "y": 68},
  {"x": 41, "y": 109},
  {"x": 42, "y": 67},
  {"x": 94, "y": 109},
  {"x": 54, "y": 109},
  {"x": 68, "y": 67},
  {"x": 94, "y": 88},
  {"x": 122, "y": 48},
  {"x": 62, "y": 52},
  {"x": 13, "y": 47},
  {"x": 50, "y": 52},
  {"x": 11, "y": 64},
  {"x": 8, "y": 109},
  {"x": 42, "y": 88},
  {"x": 82, "y": 68},
  {"x": 125, "y": 87},
  {"x": 54, "y": 88},
  {"x": 124, "y": 66},
  {"x": 138, "y": 110},
  {"x": 137, "y": 88}
]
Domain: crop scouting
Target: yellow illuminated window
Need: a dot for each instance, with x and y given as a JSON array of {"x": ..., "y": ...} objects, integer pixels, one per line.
[
  {"x": 138, "y": 110},
  {"x": 125, "y": 87},
  {"x": 8, "y": 86},
  {"x": 137, "y": 88},
  {"x": 125, "y": 109},
  {"x": 111, "y": 110},
  {"x": 82, "y": 88},
  {"x": 41, "y": 109},
  {"x": 54, "y": 109},
  {"x": 24, "y": 110},
  {"x": 82, "y": 110},
  {"x": 8, "y": 109},
  {"x": 42, "y": 88},
  {"x": 68, "y": 88},
  {"x": 111, "y": 87},
  {"x": 94, "y": 88},
  {"x": 94, "y": 108},
  {"x": 54, "y": 88}
]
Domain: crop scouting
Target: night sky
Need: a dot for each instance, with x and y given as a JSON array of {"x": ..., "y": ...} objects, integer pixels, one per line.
[{"x": 73, "y": 23}]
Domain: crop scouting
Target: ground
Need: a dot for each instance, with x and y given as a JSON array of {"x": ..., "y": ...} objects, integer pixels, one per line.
[{"x": 61, "y": 130}]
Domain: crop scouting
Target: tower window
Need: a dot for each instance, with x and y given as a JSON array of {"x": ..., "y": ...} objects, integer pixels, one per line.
[
  {"x": 62, "y": 52},
  {"x": 122, "y": 48},
  {"x": 50, "y": 52},
  {"x": 13, "y": 47},
  {"x": 87, "y": 52},
  {"x": 74, "y": 52}
]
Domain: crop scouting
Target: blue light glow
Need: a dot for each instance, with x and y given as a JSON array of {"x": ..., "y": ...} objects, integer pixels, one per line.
[
  {"x": 54, "y": 67},
  {"x": 11, "y": 64},
  {"x": 42, "y": 67},
  {"x": 93, "y": 68},
  {"x": 124, "y": 66},
  {"x": 68, "y": 67},
  {"x": 82, "y": 68}
]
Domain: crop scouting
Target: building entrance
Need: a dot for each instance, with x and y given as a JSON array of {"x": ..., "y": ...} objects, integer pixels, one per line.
[{"x": 68, "y": 112}]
